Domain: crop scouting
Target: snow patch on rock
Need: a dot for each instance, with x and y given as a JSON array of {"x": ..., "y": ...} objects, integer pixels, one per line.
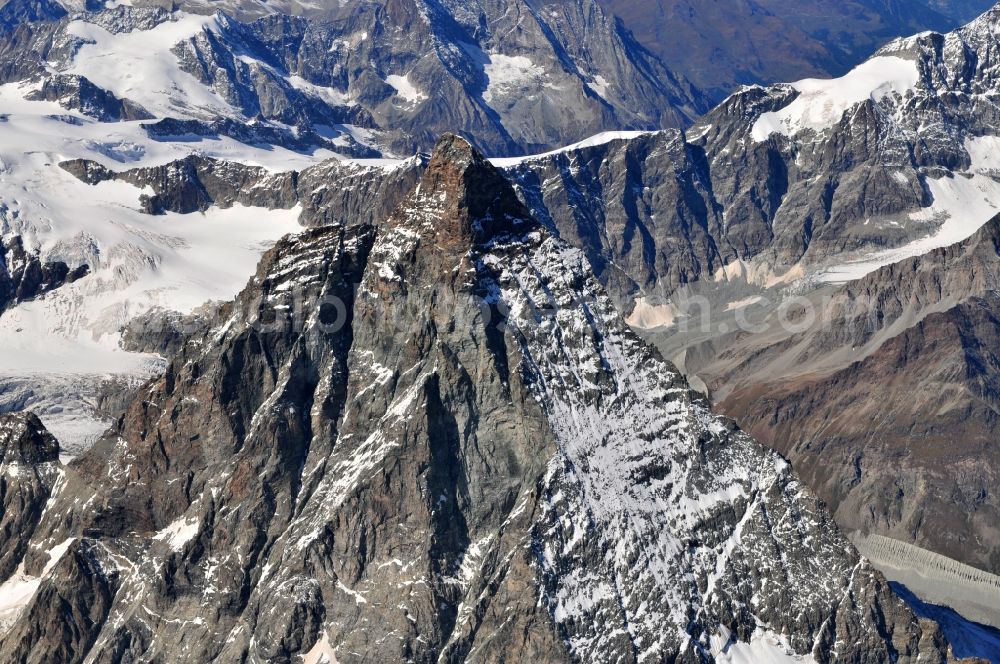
[
  {"x": 17, "y": 591},
  {"x": 962, "y": 203},
  {"x": 178, "y": 533},
  {"x": 594, "y": 141},
  {"x": 765, "y": 647},
  {"x": 405, "y": 89}
]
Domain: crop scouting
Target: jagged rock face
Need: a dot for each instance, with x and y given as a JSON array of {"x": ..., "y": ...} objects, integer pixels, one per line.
[
  {"x": 17, "y": 12},
  {"x": 656, "y": 212},
  {"x": 256, "y": 132},
  {"x": 164, "y": 333},
  {"x": 490, "y": 68},
  {"x": 29, "y": 460},
  {"x": 23, "y": 440},
  {"x": 660, "y": 211},
  {"x": 224, "y": 60},
  {"x": 24, "y": 276},
  {"x": 806, "y": 194},
  {"x": 514, "y": 79},
  {"x": 258, "y": 104},
  {"x": 433, "y": 439},
  {"x": 196, "y": 183},
  {"x": 643, "y": 210},
  {"x": 876, "y": 161},
  {"x": 669, "y": 211}
]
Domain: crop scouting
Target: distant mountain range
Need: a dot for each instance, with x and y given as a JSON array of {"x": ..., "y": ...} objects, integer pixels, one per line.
[
  {"x": 515, "y": 79},
  {"x": 373, "y": 75},
  {"x": 720, "y": 45}
]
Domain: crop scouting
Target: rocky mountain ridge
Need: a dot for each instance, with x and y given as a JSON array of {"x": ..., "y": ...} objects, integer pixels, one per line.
[
  {"x": 751, "y": 201},
  {"x": 786, "y": 187},
  {"x": 468, "y": 457},
  {"x": 774, "y": 192}
]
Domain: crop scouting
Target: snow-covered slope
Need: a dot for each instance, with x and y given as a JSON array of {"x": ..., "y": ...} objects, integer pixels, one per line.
[
  {"x": 140, "y": 66},
  {"x": 960, "y": 205},
  {"x": 208, "y": 70},
  {"x": 821, "y": 103},
  {"x": 137, "y": 261}
]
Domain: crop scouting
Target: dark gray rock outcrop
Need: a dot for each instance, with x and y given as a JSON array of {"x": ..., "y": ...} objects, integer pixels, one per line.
[
  {"x": 257, "y": 132},
  {"x": 17, "y": 12},
  {"x": 24, "y": 440},
  {"x": 329, "y": 193},
  {"x": 78, "y": 93},
  {"x": 25, "y": 276},
  {"x": 164, "y": 333}
]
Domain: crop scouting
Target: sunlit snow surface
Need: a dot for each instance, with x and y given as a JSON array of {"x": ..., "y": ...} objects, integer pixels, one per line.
[
  {"x": 17, "y": 591},
  {"x": 405, "y": 90},
  {"x": 822, "y": 102},
  {"x": 138, "y": 261},
  {"x": 765, "y": 647},
  {"x": 510, "y": 75},
  {"x": 139, "y": 66},
  {"x": 594, "y": 141},
  {"x": 178, "y": 533}
]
